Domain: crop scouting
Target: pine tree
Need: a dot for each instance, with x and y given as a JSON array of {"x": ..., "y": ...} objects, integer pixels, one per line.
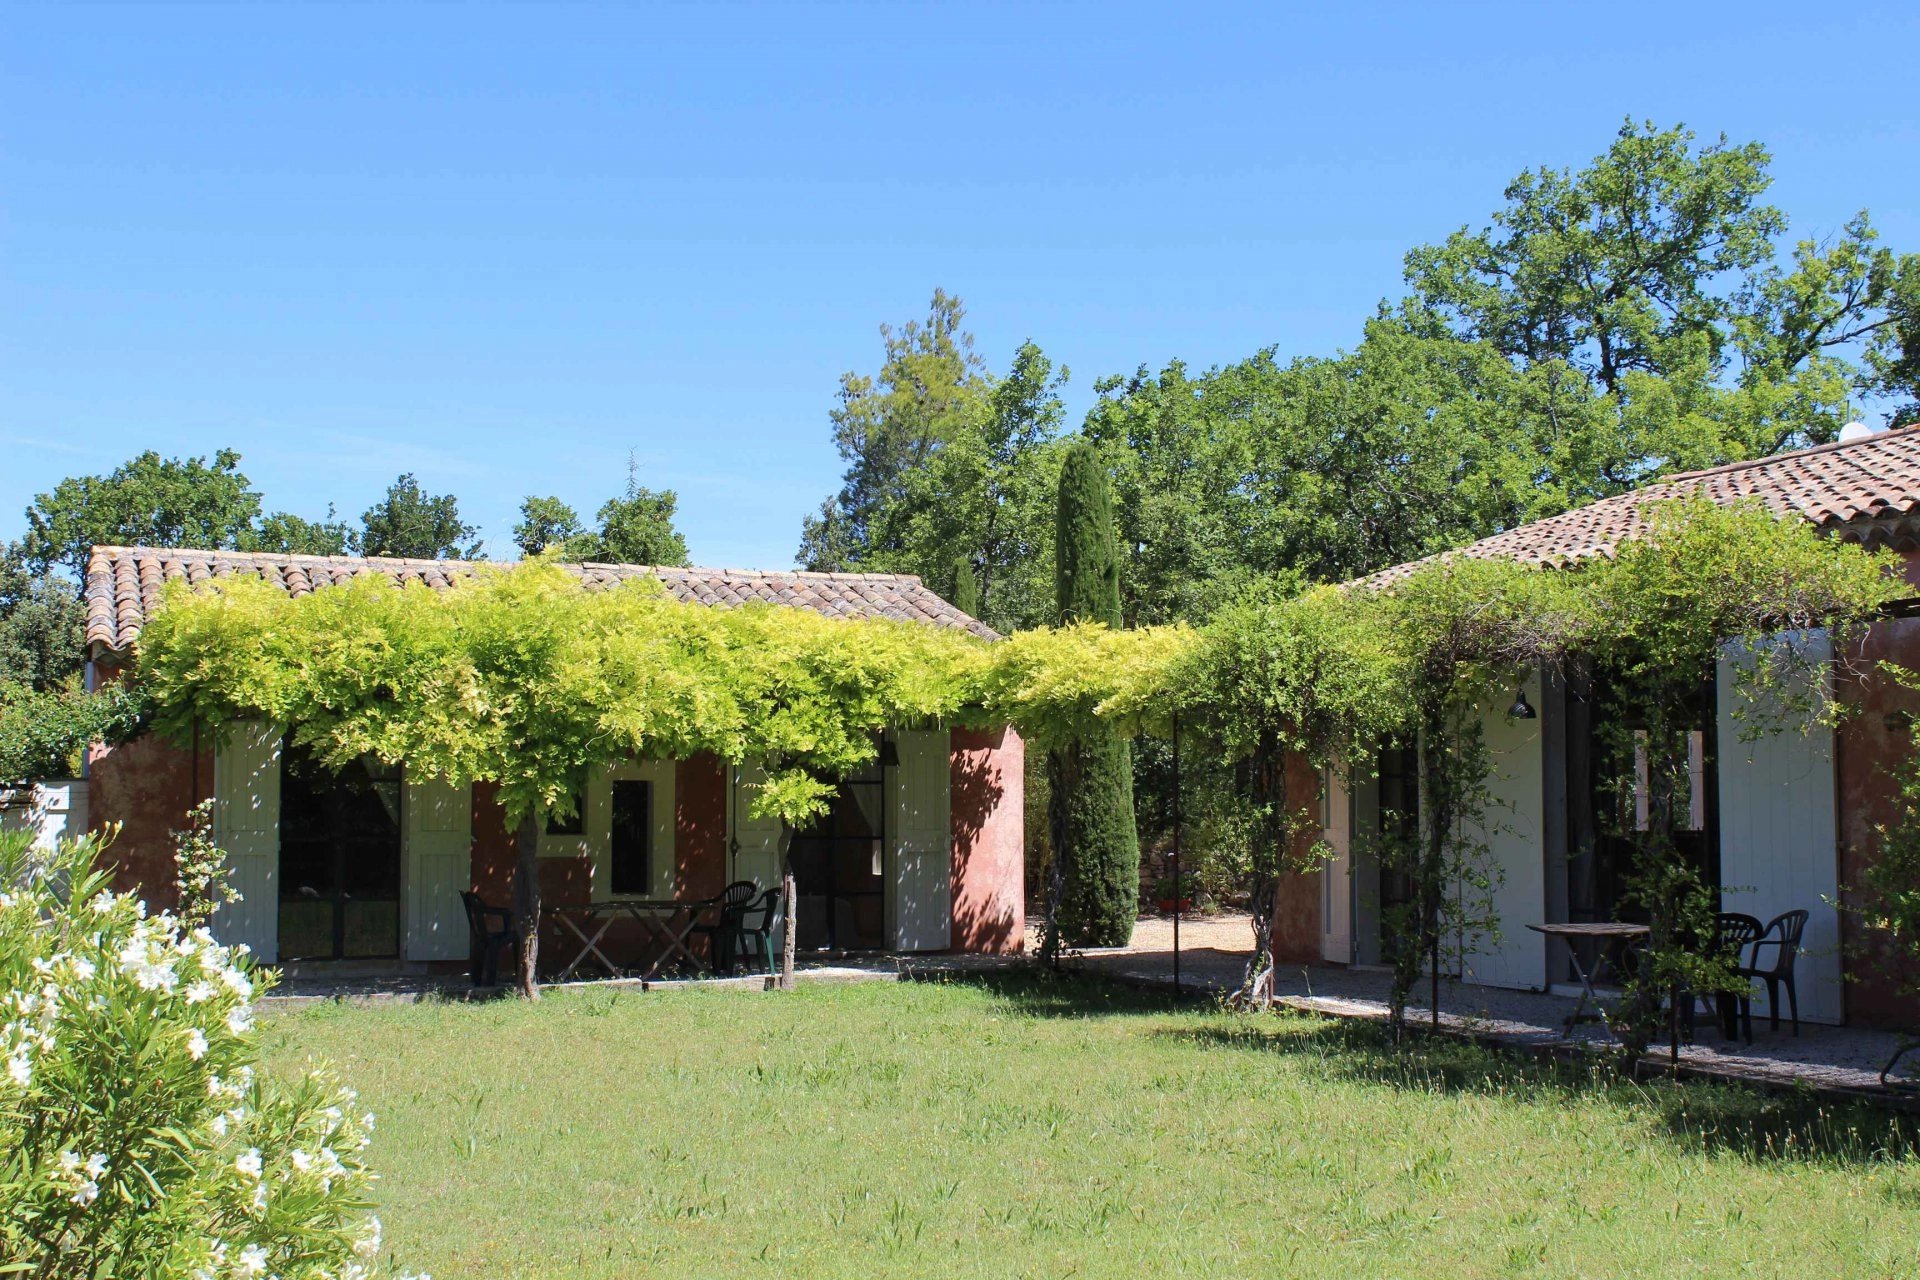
[{"x": 1092, "y": 794}]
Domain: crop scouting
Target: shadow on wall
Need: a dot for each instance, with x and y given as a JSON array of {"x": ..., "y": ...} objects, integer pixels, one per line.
[{"x": 988, "y": 858}]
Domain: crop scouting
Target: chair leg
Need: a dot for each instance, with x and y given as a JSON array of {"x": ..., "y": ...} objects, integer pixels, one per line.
[
  {"x": 1746, "y": 1016},
  {"x": 1793, "y": 1002},
  {"x": 1773, "y": 1004}
]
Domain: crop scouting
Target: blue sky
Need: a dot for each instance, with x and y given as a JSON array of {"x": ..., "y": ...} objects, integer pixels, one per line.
[{"x": 502, "y": 247}]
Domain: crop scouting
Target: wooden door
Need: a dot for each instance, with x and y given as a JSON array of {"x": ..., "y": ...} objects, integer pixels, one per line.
[
  {"x": 439, "y": 866},
  {"x": 919, "y": 892},
  {"x": 246, "y": 823},
  {"x": 753, "y": 843}
]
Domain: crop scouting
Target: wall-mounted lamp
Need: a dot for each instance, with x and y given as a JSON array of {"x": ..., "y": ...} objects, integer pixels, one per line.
[
  {"x": 1898, "y": 721},
  {"x": 1521, "y": 708}
]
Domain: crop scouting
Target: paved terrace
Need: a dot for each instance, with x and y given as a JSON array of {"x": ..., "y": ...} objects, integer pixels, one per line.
[{"x": 1214, "y": 954}]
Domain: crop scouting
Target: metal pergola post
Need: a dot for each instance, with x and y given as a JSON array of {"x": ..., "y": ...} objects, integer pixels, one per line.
[{"x": 1177, "y": 884}]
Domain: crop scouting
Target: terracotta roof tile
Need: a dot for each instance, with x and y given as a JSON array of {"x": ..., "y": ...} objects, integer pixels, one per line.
[
  {"x": 124, "y": 584},
  {"x": 1865, "y": 490}
]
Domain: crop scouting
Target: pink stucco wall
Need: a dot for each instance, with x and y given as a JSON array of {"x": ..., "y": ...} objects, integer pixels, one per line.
[
  {"x": 144, "y": 789},
  {"x": 989, "y": 855}
]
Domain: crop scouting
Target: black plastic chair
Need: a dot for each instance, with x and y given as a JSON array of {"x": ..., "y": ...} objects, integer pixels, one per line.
[
  {"x": 1734, "y": 932},
  {"x": 757, "y": 926},
  {"x": 486, "y": 943},
  {"x": 1783, "y": 933},
  {"x": 720, "y": 934}
]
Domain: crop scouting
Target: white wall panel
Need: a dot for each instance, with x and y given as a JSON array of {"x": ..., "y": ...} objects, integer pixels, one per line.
[
  {"x": 246, "y": 823},
  {"x": 1779, "y": 843},
  {"x": 1515, "y": 833}
]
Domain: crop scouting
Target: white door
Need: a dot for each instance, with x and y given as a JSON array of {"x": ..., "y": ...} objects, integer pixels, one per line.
[
  {"x": 1336, "y": 876},
  {"x": 919, "y": 894},
  {"x": 1515, "y": 835},
  {"x": 439, "y": 864},
  {"x": 1779, "y": 843},
  {"x": 754, "y": 843},
  {"x": 246, "y": 823}
]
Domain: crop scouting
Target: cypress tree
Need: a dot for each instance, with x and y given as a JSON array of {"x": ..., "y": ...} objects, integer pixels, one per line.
[
  {"x": 1095, "y": 841},
  {"x": 966, "y": 587}
]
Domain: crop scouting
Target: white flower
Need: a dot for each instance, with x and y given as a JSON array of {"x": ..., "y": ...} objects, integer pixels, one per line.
[
  {"x": 302, "y": 1162},
  {"x": 199, "y": 992},
  {"x": 252, "y": 1262},
  {"x": 196, "y": 1044},
  {"x": 248, "y": 1162},
  {"x": 368, "y": 1244},
  {"x": 96, "y": 1164},
  {"x": 219, "y": 1126},
  {"x": 19, "y": 1068},
  {"x": 102, "y": 902},
  {"x": 86, "y": 1193},
  {"x": 239, "y": 1020},
  {"x": 83, "y": 968},
  {"x": 237, "y": 983},
  {"x": 260, "y": 1198}
]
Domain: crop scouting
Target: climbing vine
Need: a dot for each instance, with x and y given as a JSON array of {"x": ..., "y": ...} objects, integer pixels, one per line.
[
  {"x": 1778, "y": 602},
  {"x": 527, "y": 678}
]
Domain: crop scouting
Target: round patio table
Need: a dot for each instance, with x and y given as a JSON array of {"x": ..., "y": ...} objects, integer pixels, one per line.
[{"x": 1611, "y": 939}]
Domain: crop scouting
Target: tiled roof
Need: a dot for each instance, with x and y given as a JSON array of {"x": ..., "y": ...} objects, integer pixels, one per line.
[
  {"x": 1865, "y": 490},
  {"x": 123, "y": 585}
]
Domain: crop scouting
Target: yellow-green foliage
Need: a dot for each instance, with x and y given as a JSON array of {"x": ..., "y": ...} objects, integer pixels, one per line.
[
  {"x": 526, "y": 678},
  {"x": 1055, "y": 683},
  {"x": 1311, "y": 673},
  {"x": 1705, "y": 575}
]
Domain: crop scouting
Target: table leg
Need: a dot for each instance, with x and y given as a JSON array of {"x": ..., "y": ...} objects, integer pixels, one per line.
[
  {"x": 675, "y": 940},
  {"x": 589, "y": 947},
  {"x": 1586, "y": 986}
]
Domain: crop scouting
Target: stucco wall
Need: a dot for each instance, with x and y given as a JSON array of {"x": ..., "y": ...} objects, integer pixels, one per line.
[
  {"x": 1867, "y": 752},
  {"x": 700, "y": 826},
  {"x": 1297, "y": 897},
  {"x": 989, "y": 837},
  {"x": 699, "y": 851},
  {"x": 146, "y": 786}
]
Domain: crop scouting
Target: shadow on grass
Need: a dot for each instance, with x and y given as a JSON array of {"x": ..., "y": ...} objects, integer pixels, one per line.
[
  {"x": 1751, "y": 1123},
  {"x": 1038, "y": 992}
]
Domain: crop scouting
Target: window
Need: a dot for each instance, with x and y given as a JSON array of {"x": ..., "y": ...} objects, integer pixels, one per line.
[
  {"x": 573, "y": 824},
  {"x": 630, "y": 846}
]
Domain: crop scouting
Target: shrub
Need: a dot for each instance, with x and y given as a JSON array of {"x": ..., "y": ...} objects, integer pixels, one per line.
[{"x": 136, "y": 1137}]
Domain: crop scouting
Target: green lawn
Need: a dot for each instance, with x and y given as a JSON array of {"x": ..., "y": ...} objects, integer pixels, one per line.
[{"x": 949, "y": 1130}]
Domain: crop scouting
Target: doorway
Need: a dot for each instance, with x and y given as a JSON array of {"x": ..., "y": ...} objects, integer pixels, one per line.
[
  {"x": 1608, "y": 798},
  {"x": 839, "y": 869},
  {"x": 340, "y": 848}
]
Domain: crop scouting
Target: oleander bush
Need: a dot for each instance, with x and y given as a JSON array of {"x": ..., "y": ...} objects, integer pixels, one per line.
[{"x": 137, "y": 1137}]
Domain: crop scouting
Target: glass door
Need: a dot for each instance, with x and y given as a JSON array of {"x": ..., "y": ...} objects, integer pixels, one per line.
[
  {"x": 340, "y": 848},
  {"x": 839, "y": 870}
]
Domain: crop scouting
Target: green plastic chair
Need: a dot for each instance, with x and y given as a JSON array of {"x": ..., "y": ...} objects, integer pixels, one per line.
[{"x": 758, "y": 927}]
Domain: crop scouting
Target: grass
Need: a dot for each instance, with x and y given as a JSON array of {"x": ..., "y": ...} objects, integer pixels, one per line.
[{"x": 1019, "y": 1128}]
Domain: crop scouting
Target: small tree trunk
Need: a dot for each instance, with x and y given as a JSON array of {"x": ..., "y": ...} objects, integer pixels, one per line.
[
  {"x": 526, "y": 905},
  {"x": 1056, "y": 868},
  {"x": 786, "y": 934}
]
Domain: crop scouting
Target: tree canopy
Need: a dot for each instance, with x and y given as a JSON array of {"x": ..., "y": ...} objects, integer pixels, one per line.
[
  {"x": 947, "y": 463},
  {"x": 410, "y": 523}
]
